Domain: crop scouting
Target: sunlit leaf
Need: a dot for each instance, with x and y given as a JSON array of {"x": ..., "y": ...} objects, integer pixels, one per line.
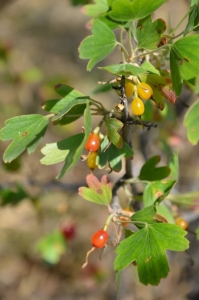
[
  {"x": 147, "y": 247},
  {"x": 93, "y": 10},
  {"x": 125, "y": 10},
  {"x": 97, "y": 191},
  {"x": 157, "y": 191},
  {"x": 149, "y": 33},
  {"x": 99, "y": 45},
  {"x": 69, "y": 149},
  {"x": 191, "y": 121},
  {"x": 26, "y": 132},
  {"x": 123, "y": 69}
]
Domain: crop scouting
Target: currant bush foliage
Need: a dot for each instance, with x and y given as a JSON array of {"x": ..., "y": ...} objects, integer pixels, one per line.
[{"x": 151, "y": 49}]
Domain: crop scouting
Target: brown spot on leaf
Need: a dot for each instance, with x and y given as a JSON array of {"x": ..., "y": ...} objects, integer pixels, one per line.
[
  {"x": 24, "y": 133},
  {"x": 148, "y": 259},
  {"x": 159, "y": 194},
  {"x": 180, "y": 62},
  {"x": 99, "y": 191},
  {"x": 192, "y": 129},
  {"x": 186, "y": 59}
]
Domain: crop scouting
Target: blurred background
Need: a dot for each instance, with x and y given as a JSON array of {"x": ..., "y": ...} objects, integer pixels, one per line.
[{"x": 38, "y": 49}]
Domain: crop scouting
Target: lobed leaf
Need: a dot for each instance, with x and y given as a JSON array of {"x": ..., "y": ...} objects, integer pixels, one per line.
[
  {"x": 125, "y": 10},
  {"x": 99, "y": 45},
  {"x": 191, "y": 121},
  {"x": 26, "y": 132},
  {"x": 147, "y": 247},
  {"x": 149, "y": 33},
  {"x": 97, "y": 192},
  {"x": 149, "y": 171},
  {"x": 184, "y": 61}
]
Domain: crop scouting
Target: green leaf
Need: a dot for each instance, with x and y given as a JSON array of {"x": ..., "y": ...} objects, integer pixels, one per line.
[
  {"x": 149, "y": 33},
  {"x": 193, "y": 19},
  {"x": 9, "y": 196},
  {"x": 184, "y": 62},
  {"x": 193, "y": 2},
  {"x": 51, "y": 247},
  {"x": 99, "y": 45},
  {"x": 149, "y": 67},
  {"x": 191, "y": 121},
  {"x": 147, "y": 247},
  {"x": 26, "y": 132},
  {"x": 157, "y": 191},
  {"x": 97, "y": 192},
  {"x": 112, "y": 155},
  {"x": 174, "y": 166},
  {"x": 93, "y": 10},
  {"x": 68, "y": 93},
  {"x": 125, "y": 10},
  {"x": 69, "y": 149},
  {"x": 147, "y": 214},
  {"x": 112, "y": 127},
  {"x": 149, "y": 171},
  {"x": 71, "y": 105},
  {"x": 123, "y": 69},
  {"x": 165, "y": 212},
  {"x": 175, "y": 73}
]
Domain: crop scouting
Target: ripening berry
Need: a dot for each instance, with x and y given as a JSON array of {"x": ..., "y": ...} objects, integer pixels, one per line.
[
  {"x": 91, "y": 160},
  {"x": 137, "y": 107},
  {"x": 182, "y": 223},
  {"x": 129, "y": 89},
  {"x": 99, "y": 239},
  {"x": 144, "y": 91},
  {"x": 68, "y": 231},
  {"x": 93, "y": 142}
]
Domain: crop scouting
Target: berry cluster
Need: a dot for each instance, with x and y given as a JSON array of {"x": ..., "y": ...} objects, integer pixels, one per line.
[{"x": 140, "y": 92}]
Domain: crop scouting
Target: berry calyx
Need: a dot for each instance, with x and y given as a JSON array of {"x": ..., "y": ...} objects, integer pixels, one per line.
[
  {"x": 91, "y": 160},
  {"x": 68, "y": 231},
  {"x": 182, "y": 223},
  {"x": 144, "y": 91},
  {"x": 93, "y": 142},
  {"x": 129, "y": 89},
  {"x": 137, "y": 107},
  {"x": 99, "y": 239}
]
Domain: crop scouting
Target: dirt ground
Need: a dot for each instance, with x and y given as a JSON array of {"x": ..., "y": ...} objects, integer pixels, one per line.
[{"x": 42, "y": 38}]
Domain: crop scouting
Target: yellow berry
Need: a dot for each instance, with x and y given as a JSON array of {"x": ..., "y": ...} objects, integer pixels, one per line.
[
  {"x": 144, "y": 91},
  {"x": 137, "y": 107},
  {"x": 182, "y": 223},
  {"x": 91, "y": 160},
  {"x": 129, "y": 89}
]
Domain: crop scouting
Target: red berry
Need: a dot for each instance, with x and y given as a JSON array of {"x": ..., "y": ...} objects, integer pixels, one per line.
[
  {"x": 99, "y": 239},
  {"x": 93, "y": 142},
  {"x": 68, "y": 231}
]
